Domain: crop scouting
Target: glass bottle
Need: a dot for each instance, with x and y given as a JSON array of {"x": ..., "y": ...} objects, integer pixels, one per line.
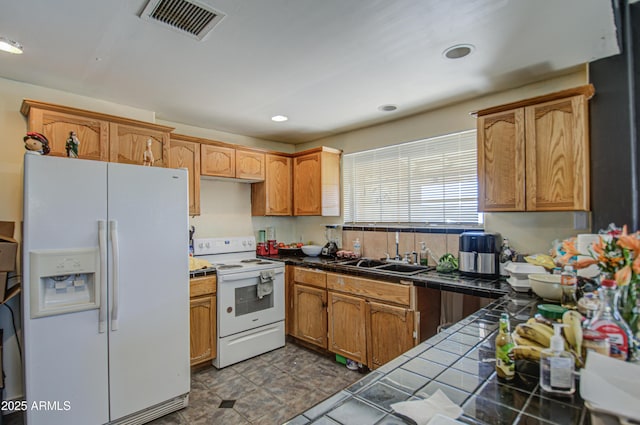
[
  {"x": 505, "y": 256},
  {"x": 505, "y": 364},
  {"x": 609, "y": 321},
  {"x": 569, "y": 285}
]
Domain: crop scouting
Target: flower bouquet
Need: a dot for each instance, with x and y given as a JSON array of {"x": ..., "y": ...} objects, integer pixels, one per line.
[{"x": 617, "y": 255}]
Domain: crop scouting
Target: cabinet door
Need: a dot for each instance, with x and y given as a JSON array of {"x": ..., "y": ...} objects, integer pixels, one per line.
[
  {"x": 390, "y": 331},
  {"x": 249, "y": 165},
  {"x": 311, "y": 314},
  {"x": 501, "y": 161},
  {"x": 203, "y": 329},
  {"x": 183, "y": 154},
  {"x": 307, "y": 184},
  {"x": 273, "y": 196},
  {"x": 347, "y": 326},
  {"x": 558, "y": 155},
  {"x": 128, "y": 142},
  {"x": 56, "y": 126},
  {"x": 217, "y": 161}
]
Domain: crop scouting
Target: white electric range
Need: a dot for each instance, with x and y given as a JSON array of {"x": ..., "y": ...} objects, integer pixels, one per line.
[{"x": 250, "y": 298}]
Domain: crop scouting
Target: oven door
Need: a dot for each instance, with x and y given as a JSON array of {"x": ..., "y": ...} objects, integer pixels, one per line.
[{"x": 240, "y": 309}]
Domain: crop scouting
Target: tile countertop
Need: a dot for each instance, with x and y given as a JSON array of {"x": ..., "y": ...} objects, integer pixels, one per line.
[{"x": 460, "y": 361}]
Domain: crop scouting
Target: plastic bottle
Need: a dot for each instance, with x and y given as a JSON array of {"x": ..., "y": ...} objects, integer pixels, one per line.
[
  {"x": 557, "y": 366},
  {"x": 357, "y": 249},
  {"x": 609, "y": 321},
  {"x": 505, "y": 364},
  {"x": 569, "y": 284},
  {"x": 424, "y": 254},
  {"x": 505, "y": 256}
]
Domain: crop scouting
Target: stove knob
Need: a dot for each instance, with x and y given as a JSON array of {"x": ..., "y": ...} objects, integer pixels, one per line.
[
  {"x": 201, "y": 245},
  {"x": 250, "y": 243},
  {"x": 208, "y": 244},
  {"x": 244, "y": 243}
]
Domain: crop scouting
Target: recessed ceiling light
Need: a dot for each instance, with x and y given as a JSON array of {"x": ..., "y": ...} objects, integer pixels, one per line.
[
  {"x": 10, "y": 46},
  {"x": 387, "y": 108},
  {"x": 279, "y": 118},
  {"x": 458, "y": 51}
]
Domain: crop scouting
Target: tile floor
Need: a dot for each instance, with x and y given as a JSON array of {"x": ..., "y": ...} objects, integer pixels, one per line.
[{"x": 268, "y": 389}]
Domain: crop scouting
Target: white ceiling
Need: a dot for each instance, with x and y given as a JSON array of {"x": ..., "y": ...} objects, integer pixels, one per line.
[{"x": 327, "y": 64}]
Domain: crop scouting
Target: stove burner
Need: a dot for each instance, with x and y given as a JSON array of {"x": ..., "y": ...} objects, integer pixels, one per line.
[
  {"x": 251, "y": 260},
  {"x": 229, "y": 266},
  {"x": 264, "y": 262}
]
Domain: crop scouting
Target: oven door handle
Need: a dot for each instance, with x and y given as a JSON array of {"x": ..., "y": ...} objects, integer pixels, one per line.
[{"x": 244, "y": 276}]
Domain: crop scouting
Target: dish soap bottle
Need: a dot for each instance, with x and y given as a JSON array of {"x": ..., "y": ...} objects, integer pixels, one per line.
[
  {"x": 424, "y": 254},
  {"x": 357, "y": 249},
  {"x": 557, "y": 366}
]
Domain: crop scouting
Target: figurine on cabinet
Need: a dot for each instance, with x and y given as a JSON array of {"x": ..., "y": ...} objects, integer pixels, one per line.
[
  {"x": 72, "y": 145},
  {"x": 147, "y": 156},
  {"x": 36, "y": 142}
]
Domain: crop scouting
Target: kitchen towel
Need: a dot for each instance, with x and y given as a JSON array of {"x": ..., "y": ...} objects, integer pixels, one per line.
[
  {"x": 265, "y": 286},
  {"x": 421, "y": 411}
]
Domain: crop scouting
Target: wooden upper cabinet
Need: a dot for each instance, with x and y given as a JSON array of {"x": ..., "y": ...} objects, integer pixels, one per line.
[
  {"x": 316, "y": 182},
  {"x": 534, "y": 155},
  {"x": 217, "y": 161},
  {"x": 56, "y": 125},
  {"x": 128, "y": 142},
  {"x": 273, "y": 195},
  {"x": 102, "y": 137},
  {"x": 501, "y": 167},
  {"x": 250, "y": 165},
  {"x": 557, "y": 155},
  {"x": 184, "y": 152}
]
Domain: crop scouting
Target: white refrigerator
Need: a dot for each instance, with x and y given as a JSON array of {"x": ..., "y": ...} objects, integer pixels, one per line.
[{"x": 105, "y": 301}]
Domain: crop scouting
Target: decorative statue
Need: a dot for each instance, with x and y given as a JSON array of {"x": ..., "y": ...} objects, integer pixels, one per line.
[
  {"x": 72, "y": 145},
  {"x": 36, "y": 142},
  {"x": 147, "y": 156}
]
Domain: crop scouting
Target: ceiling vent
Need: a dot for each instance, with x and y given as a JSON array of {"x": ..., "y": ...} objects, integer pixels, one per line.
[{"x": 186, "y": 16}]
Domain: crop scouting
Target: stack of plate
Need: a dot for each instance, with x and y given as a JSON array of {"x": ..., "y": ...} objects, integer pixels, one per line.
[{"x": 519, "y": 275}]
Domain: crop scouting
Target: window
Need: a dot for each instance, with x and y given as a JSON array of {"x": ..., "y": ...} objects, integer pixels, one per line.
[{"x": 431, "y": 181}]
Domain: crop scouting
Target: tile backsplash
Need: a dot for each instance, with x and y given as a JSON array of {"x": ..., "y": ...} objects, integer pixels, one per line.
[{"x": 378, "y": 242}]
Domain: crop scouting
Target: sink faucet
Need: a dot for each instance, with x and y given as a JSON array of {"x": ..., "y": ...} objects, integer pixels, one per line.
[{"x": 397, "y": 245}]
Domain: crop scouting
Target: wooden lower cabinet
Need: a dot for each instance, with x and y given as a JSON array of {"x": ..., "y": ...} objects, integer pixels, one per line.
[
  {"x": 202, "y": 314},
  {"x": 310, "y": 306},
  {"x": 347, "y": 323},
  {"x": 390, "y": 332}
]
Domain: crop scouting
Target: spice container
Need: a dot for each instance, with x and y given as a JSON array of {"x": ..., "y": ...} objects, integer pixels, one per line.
[{"x": 594, "y": 341}]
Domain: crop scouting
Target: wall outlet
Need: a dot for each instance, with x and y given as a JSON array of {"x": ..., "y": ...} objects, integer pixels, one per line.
[{"x": 580, "y": 220}]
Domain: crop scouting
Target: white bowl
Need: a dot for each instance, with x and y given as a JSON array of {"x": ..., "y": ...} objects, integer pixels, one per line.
[
  {"x": 546, "y": 285},
  {"x": 311, "y": 250}
]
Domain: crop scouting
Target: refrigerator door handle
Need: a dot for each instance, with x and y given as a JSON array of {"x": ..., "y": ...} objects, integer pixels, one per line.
[
  {"x": 102, "y": 282},
  {"x": 115, "y": 257}
]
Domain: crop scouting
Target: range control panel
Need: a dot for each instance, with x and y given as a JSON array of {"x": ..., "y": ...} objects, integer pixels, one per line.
[{"x": 210, "y": 246}]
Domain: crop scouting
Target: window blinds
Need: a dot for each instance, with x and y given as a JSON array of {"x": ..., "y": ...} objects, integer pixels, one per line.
[{"x": 430, "y": 181}]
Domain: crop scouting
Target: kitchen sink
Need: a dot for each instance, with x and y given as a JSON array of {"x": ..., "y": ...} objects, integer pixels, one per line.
[
  {"x": 402, "y": 268},
  {"x": 364, "y": 263},
  {"x": 383, "y": 266}
]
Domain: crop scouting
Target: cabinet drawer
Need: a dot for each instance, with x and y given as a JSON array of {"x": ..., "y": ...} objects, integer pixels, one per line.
[
  {"x": 310, "y": 277},
  {"x": 384, "y": 291},
  {"x": 202, "y": 286}
]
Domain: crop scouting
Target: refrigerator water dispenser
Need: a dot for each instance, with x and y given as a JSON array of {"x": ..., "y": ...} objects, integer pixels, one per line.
[{"x": 64, "y": 281}]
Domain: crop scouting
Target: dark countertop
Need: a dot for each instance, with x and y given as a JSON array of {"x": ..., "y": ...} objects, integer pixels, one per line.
[
  {"x": 453, "y": 282},
  {"x": 461, "y": 362}
]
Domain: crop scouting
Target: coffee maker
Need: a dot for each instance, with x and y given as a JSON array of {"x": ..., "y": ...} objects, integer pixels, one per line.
[{"x": 331, "y": 247}]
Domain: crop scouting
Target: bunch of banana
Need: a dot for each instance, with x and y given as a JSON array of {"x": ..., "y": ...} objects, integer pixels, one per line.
[{"x": 535, "y": 335}]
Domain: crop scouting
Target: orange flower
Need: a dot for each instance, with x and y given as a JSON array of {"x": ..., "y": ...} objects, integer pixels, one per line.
[
  {"x": 630, "y": 242},
  {"x": 623, "y": 276},
  {"x": 598, "y": 247},
  {"x": 636, "y": 265},
  {"x": 585, "y": 262}
]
